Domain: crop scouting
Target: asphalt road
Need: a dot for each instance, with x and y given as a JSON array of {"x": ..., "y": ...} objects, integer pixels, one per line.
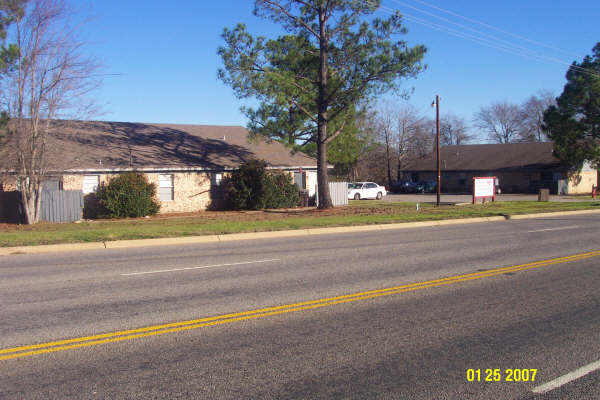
[{"x": 409, "y": 342}]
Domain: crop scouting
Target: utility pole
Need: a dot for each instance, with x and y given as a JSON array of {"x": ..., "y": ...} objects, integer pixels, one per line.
[{"x": 437, "y": 129}]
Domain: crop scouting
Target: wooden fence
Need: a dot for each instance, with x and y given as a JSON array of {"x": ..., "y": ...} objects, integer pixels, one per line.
[
  {"x": 57, "y": 206},
  {"x": 61, "y": 205},
  {"x": 338, "y": 192},
  {"x": 11, "y": 210}
]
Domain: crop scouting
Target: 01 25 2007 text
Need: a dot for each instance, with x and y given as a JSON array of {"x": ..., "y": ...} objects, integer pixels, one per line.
[{"x": 501, "y": 375}]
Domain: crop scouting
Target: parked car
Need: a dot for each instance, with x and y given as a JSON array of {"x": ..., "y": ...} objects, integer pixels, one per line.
[
  {"x": 365, "y": 190},
  {"x": 403, "y": 187},
  {"x": 426, "y": 187}
]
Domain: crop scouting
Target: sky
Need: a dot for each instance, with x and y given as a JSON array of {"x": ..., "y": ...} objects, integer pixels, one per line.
[{"x": 161, "y": 56}]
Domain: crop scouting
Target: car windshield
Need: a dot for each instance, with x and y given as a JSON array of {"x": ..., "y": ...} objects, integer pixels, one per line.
[{"x": 354, "y": 185}]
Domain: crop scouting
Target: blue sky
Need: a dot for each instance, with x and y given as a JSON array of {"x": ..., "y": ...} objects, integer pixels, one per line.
[{"x": 165, "y": 54}]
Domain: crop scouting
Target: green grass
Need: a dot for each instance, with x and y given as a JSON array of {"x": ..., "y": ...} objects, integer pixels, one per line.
[{"x": 357, "y": 213}]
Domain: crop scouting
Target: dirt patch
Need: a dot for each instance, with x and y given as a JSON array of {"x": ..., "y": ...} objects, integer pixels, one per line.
[
  {"x": 234, "y": 216},
  {"x": 307, "y": 212}
]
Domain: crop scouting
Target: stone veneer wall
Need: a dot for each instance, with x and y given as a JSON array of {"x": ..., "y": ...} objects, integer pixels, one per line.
[
  {"x": 9, "y": 186},
  {"x": 73, "y": 182},
  {"x": 191, "y": 190},
  {"x": 582, "y": 183}
]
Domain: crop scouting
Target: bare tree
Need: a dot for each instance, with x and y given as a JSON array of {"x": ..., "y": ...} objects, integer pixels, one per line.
[
  {"x": 502, "y": 122},
  {"x": 423, "y": 138},
  {"x": 454, "y": 130},
  {"x": 385, "y": 126},
  {"x": 403, "y": 134},
  {"x": 50, "y": 79},
  {"x": 533, "y": 116},
  {"x": 370, "y": 166},
  {"x": 411, "y": 129}
]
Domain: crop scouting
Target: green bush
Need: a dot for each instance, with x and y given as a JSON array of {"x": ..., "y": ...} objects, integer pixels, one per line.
[
  {"x": 128, "y": 195},
  {"x": 254, "y": 187},
  {"x": 92, "y": 208}
]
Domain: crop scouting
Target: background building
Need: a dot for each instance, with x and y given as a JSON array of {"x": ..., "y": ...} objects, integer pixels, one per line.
[{"x": 519, "y": 167}]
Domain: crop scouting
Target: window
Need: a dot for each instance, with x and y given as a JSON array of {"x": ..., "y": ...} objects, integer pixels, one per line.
[
  {"x": 300, "y": 180},
  {"x": 215, "y": 179},
  {"x": 165, "y": 187},
  {"x": 370, "y": 186},
  {"x": 90, "y": 183}
]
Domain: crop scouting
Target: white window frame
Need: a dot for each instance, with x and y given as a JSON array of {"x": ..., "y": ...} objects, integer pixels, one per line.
[
  {"x": 86, "y": 189},
  {"x": 218, "y": 178},
  {"x": 166, "y": 181}
]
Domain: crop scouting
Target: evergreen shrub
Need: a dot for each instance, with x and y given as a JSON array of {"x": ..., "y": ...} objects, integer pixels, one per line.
[
  {"x": 127, "y": 195},
  {"x": 254, "y": 187}
]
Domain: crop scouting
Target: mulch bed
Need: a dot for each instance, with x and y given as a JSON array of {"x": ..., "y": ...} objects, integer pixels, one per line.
[{"x": 263, "y": 215}]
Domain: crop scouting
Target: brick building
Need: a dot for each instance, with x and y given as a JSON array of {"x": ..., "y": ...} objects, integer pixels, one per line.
[
  {"x": 519, "y": 167},
  {"x": 186, "y": 162}
]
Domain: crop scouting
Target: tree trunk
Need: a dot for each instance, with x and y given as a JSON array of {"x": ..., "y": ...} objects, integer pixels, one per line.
[
  {"x": 31, "y": 199},
  {"x": 29, "y": 208},
  {"x": 38, "y": 205},
  {"x": 322, "y": 106},
  {"x": 401, "y": 151},
  {"x": 387, "y": 156},
  {"x": 322, "y": 176},
  {"x": 291, "y": 121},
  {"x": 399, "y": 174}
]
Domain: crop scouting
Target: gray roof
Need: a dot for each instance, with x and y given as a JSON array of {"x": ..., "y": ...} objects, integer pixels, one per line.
[
  {"x": 488, "y": 157},
  {"x": 75, "y": 145}
]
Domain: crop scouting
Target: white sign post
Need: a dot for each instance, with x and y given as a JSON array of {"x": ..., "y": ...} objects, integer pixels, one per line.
[{"x": 484, "y": 187}]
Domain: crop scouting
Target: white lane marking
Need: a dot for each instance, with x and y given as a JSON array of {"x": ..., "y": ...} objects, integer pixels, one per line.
[
  {"x": 202, "y": 267},
  {"x": 556, "y": 229},
  {"x": 571, "y": 376}
]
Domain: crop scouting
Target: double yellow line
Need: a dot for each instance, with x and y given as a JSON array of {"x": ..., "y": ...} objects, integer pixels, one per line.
[{"x": 74, "y": 343}]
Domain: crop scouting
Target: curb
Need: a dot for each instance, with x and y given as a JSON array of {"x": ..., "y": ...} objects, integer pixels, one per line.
[
  {"x": 125, "y": 244},
  {"x": 552, "y": 214}
]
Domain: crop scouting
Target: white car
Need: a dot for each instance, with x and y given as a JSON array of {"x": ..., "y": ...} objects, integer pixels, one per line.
[{"x": 365, "y": 190}]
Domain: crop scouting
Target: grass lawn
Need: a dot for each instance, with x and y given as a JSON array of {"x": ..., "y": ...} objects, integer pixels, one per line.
[{"x": 361, "y": 212}]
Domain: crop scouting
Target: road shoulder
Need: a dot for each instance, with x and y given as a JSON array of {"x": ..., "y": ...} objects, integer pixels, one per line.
[{"x": 121, "y": 244}]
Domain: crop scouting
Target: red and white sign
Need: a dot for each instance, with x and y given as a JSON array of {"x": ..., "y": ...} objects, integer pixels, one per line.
[{"x": 484, "y": 187}]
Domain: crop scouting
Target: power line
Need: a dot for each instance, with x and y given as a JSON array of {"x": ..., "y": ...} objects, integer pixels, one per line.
[
  {"x": 492, "y": 37},
  {"x": 459, "y": 34},
  {"x": 462, "y": 35},
  {"x": 493, "y": 27},
  {"x": 494, "y": 42}
]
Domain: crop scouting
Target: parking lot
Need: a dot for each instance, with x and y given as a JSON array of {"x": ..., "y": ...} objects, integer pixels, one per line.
[{"x": 466, "y": 198}]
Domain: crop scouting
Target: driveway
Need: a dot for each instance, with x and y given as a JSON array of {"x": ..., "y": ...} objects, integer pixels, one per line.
[{"x": 465, "y": 198}]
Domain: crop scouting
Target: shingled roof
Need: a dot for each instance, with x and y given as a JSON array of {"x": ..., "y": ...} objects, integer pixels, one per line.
[
  {"x": 488, "y": 157},
  {"x": 75, "y": 145}
]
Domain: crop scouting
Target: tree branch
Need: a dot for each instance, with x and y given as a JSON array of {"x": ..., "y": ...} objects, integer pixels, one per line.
[
  {"x": 276, "y": 6},
  {"x": 330, "y": 138},
  {"x": 304, "y": 110}
]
